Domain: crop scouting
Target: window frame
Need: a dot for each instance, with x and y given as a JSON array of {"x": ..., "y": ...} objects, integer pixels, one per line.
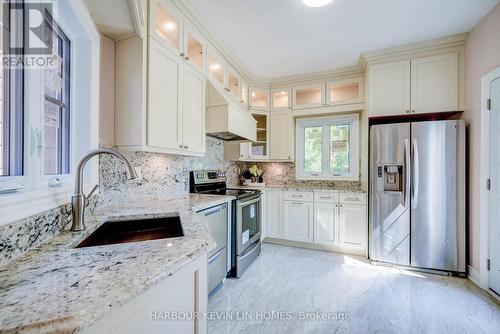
[
  {"x": 325, "y": 122},
  {"x": 45, "y": 192}
]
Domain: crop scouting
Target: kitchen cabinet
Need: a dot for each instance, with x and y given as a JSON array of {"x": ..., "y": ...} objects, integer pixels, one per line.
[
  {"x": 166, "y": 26},
  {"x": 184, "y": 291},
  {"x": 233, "y": 84},
  {"x": 216, "y": 68},
  {"x": 259, "y": 149},
  {"x": 298, "y": 220},
  {"x": 274, "y": 226},
  {"x": 244, "y": 95},
  {"x": 389, "y": 88},
  {"x": 164, "y": 97},
  {"x": 193, "y": 111},
  {"x": 160, "y": 100},
  {"x": 280, "y": 99},
  {"x": 309, "y": 96},
  {"x": 259, "y": 99},
  {"x": 346, "y": 91},
  {"x": 419, "y": 85},
  {"x": 281, "y": 136},
  {"x": 353, "y": 227},
  {"x": 434, "y": 83},
  {"x": 194, "y": 48},
  {"x": 326, "y": 223}
]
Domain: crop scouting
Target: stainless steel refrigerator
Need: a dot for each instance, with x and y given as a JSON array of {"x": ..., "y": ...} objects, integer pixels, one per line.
[{"x": 417, "y": 195}]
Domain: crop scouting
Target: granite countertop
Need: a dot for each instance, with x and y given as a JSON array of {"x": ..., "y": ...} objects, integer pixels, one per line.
[
  {"x": 56, "y": 288},
  {"x": 301, "y": 188}
]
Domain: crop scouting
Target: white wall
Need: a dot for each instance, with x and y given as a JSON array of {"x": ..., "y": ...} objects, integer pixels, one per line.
[{"x": 482, "y": 55}]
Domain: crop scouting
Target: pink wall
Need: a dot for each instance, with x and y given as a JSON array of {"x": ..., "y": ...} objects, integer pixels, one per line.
[
  {"x": 482, "y": 55},
  {"x": 107, "y": 93}
]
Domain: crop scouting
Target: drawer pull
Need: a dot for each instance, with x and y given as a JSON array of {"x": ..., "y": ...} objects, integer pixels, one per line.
[
  {"x": 352, "y": 199},
  {"x": 325, "y": 197}
]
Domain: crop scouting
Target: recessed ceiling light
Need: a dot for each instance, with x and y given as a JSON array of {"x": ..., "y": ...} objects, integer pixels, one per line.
[
  {"x": 316, "y": 3},
  {"x": 169, "y": 26}
]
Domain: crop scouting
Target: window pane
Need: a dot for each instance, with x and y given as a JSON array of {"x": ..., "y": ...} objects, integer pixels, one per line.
[
  {"x": 339, "y": 148},
  {"x": 56, "y": 118},
  {"x": 312, "y": 149}
]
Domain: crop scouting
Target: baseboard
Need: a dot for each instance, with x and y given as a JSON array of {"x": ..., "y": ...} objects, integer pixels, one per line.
[
  {"x": 473, "y": 276},
  {"x": 335, "y": 249}
]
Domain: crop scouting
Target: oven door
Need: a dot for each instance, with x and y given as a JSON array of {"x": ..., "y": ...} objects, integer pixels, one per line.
[{"x": 248, "y": 223}]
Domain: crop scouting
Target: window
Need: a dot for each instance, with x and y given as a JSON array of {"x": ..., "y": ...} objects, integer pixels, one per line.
[
  {"x": 56, "y": 118},
  {"x": 327, "y": 148},
  {"x": 49, "y": 112}
]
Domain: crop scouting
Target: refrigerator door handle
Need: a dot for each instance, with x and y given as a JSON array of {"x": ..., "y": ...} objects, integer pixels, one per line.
[
  {"x": 415, "y": 173},
  {"x": 406, "y": 192}
]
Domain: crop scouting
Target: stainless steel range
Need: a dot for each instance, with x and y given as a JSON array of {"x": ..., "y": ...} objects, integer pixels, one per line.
[{"x": 246, "y": 225}]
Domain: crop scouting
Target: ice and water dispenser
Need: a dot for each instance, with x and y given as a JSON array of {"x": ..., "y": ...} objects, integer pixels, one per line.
[{"x": 390, "y": 178}]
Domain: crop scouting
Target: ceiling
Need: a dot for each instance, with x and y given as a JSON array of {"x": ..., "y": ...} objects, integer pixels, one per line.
[{"x": 279, "y": 38}]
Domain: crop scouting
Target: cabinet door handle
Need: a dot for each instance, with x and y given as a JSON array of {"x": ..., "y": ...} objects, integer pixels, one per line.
[
  {"x": 297, "y": 203},
  {"x": 187, "y": 58},
  {"x": 180, "y": 146},
  {"x": 407, "y": 111},
  {"x": 182, "y": 54},
  {"x": 186, "y": 147}
]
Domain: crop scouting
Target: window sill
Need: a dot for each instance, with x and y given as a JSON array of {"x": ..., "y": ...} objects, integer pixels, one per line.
[
  {"x": 326, "y": 178},
  {"x": 26, "y": 203}
]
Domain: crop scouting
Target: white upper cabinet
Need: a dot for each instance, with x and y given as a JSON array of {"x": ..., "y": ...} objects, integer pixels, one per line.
[
  {"x": 259, "y": 98},
  {"x": 420, "y": 85},
  {"x": 309, "y": 96},
  {"x": 164, "y": 98},
  {"x": 166, "y": 25},
  {"x": 281, "y": 136},
  {"x": 216, "y": 68},
  {"x": 233, "y": 83},
  {"x": 280, "y": 99},
  {"x": 195, "y": 48},
  {"x": 389, "y": 89},
  {"x": 193, "y": 115},
  {"x": 347, "y": 91},
  {"x": 244, "y": 94},
  {"x": 434, "y": 84}
]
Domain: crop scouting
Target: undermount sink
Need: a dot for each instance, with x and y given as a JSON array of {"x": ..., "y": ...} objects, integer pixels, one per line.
[{"x": 124, "y": 231}]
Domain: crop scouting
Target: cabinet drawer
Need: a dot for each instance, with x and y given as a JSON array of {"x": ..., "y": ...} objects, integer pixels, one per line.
[
  {"x": 325, "y": 197},
  {"x": 298, "y": 196},
  {"x": 353, "y": 198}
]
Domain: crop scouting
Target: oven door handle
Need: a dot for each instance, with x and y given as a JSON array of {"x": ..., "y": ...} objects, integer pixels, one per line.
[{"x": 255, "y": 200}]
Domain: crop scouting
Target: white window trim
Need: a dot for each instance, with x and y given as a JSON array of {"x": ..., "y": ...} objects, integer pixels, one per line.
[
  {"x": 354, "y": 154},
  {"x": 38, "y": 197}
]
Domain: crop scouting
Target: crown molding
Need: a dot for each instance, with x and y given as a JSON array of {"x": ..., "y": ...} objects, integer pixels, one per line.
[
  {"x": 338, "y": 73},
  {"x": 406, "y": 50}
]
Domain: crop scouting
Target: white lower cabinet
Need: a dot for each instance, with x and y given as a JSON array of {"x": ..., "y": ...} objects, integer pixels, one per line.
[
  {"x": 325, "y": 223},
  {"x": 184, "y": 293},
  {"x": 336, "y": 220},
  {"x": 298, "y": 220},
  {"x": 353, "y": 225},
  {"x": 274, "y": 214}
]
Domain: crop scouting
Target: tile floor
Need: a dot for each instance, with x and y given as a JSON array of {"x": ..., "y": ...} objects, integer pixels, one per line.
[{"x": 372, "y": 299}]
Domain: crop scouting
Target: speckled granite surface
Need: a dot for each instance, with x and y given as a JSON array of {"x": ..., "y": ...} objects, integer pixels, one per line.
[
  {"x": 55, "y": 288},
  {"x": 303, "y": 188}
]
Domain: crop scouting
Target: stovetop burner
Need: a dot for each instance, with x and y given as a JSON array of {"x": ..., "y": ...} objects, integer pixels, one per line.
[{"x": 238, "y": 193}]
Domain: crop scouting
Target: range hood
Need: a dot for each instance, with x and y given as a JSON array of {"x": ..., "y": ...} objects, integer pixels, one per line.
[{"x": 226, "y": 120}]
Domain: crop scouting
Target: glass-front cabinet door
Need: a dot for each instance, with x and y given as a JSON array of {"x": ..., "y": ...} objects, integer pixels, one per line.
[
  {"x": 259, "y": 149},
  {"x": 233, "y": 83},
  {"x": 194, "y": 48},
  {"x": 216, "y": 68},
  {"x": 259, "y": 98},
  {"x": 166, "y": 25},
  {"x": 280, "y": 99},
  {"x": 244, "y": 95},
  {"x": 309, "y": 96},
  {"x": 345, "y": 91}
]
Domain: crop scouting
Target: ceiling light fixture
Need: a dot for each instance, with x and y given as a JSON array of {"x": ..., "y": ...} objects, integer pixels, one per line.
[{"x": 316, "y": 3}]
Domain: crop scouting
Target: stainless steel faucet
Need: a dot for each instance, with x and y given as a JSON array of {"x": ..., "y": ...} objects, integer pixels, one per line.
[{"x": 78, "y": 199}]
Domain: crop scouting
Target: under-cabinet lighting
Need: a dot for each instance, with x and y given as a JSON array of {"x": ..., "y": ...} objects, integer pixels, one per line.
[
  {"x": 169, "y": 26},
  {"x": 253, "y": 94},
  {"x": 283, "y": 93},
  {"x": 316, "y": 3}
]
